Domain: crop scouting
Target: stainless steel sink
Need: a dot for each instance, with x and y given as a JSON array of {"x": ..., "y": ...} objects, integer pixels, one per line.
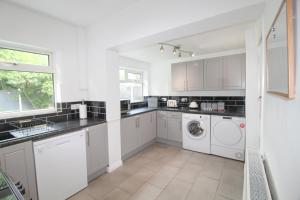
[{"x": 6, "y": 136}]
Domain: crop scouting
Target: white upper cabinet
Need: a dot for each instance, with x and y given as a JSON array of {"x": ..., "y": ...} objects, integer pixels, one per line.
[
  {"x": 233, "y": 71},
  {"x": 221, "y": 73},
  {"x": 194, "y": 74},
  {"x": 213, "y": 74},
  {"x": 178, "y": 71}
]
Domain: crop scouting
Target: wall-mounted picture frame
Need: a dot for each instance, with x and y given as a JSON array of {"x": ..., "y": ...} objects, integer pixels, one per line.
[{"x": 280, "y": 53}]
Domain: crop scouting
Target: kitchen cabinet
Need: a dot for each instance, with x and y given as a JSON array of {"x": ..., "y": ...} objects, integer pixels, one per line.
[
  {"x": 169, "y": 126},
  {"x": 178, "y": 76},
  {"x": 194, "y": 75},
  {"x": 137, "y": 131},
  {"x": 97, "y": 150},
  {"x": 212, "y": 74},
  {"x": 221, "y": 73},
  {"x": 187, "y": 76},
  {"x": 233, "y": 70},
  {"x": 129, "y": 134},
  {"x": 162, "y": 129},
  {"x": 174, "y": 127},
  {"x": 147, "y": 127},
  {"x": 17, "y": 161}
]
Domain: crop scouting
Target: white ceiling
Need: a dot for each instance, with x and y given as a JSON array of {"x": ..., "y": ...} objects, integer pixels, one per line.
[
  {"x": 230, "y": 38},
  {"x": 77, "y": 12}
]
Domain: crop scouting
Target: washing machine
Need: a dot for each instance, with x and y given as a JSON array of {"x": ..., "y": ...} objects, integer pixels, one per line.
[
  {"x": 196, "y": 132},
  {"x": 228, "y": 136}
]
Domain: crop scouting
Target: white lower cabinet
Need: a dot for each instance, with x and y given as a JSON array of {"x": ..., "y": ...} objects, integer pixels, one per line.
[
  {"x": 137, "y": 131},
  {"x": 169, "y": 126},
  {"x": 17, "y": 161},
  {"x": 97, "y": 150}
]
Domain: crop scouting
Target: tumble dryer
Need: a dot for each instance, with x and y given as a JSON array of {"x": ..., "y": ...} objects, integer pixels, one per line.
[{"x": 228, "y": 137}]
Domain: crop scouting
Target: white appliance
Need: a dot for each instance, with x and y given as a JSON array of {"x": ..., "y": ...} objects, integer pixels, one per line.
[
  {"x": 172, "y": 103},
  {"x": 152, "y": 102},
  {"x": 196, "y": 132},
  {"x": 82, "y": 111},
  {"x": 193, "y": 104},
  {"x": 228, "y": 137},
  {"x": 60, "y": 163}
]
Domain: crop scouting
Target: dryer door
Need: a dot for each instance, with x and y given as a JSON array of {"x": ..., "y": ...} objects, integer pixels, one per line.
[
  {"x": 227, "y": 133},
  {"x": 195, "y": 129}
]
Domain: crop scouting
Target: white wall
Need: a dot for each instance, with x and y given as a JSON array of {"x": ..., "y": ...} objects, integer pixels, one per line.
[
  {"x": 160, "y": 78},
  {"x": 67, "y": 42},
  {"x": 253, "y": 99},
  {"x": 281, "y": 125}
]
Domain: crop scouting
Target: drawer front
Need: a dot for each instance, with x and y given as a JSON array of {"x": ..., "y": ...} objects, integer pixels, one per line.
[
  {"x": 174, "y": 115},
  {"x": 162, "y": 114}
]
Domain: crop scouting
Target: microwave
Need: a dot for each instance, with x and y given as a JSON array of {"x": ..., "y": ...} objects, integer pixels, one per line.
[{"x": 125, "y": 105}]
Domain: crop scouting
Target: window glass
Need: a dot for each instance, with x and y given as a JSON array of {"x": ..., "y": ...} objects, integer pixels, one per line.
[
  {"x": 134, "y": 76},
  {"x": 122, "y": 75},
  {"x": 131, "y": 85},
  {"x": 23, "y": 57},
  {"x": 24, "y": 91}
]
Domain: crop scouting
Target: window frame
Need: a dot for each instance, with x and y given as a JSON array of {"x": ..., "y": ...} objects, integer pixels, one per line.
[
  {"x": 30, "y": 68},
  {"x": 131, "y": 81}
]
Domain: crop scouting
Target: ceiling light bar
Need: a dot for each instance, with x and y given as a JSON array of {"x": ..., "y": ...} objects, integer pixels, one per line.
[{"x": 176, "y": 49}]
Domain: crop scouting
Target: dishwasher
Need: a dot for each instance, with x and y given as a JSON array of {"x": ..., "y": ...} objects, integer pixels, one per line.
[{"x": 60, "y": 162}]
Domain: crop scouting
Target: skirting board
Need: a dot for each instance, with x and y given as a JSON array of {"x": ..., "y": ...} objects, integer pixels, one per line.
[
  {"x": 136, "y": 151},
  {"x": 114, "y": 166},
  {"x": 169, "y": 142},
  {"x": 96, "y": 174}
]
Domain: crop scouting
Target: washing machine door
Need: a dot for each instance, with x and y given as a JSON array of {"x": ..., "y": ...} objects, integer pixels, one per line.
[{"x": 195, "y": 129}]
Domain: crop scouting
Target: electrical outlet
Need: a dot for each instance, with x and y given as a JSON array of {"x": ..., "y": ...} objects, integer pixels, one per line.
[{"x": 74, "y": 106}]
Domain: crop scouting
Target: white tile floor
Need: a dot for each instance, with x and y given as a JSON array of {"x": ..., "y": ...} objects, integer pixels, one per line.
[{"x": 166, "y": 172}]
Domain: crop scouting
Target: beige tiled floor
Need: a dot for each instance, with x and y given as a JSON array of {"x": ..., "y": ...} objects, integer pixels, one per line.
[{"x": 165, "y": 172}]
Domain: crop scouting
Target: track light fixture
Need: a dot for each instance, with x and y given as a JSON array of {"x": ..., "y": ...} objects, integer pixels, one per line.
[{"x": 176, "y": 49}]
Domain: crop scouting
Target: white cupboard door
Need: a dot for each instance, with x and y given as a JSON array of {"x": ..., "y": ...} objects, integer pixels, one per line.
[
  {"x": 97, "y": 149},
  {"x": 153, "y": 124},
  {"x": 162, "y": 130},
  {"x": 174, "y": 129},
  {"x": 212, "y": 74},
  {"x": 144, "y": 128},
  {"x": 232, "y": 72},
  {"x": 195, "y": 72},
  {"x": 178, "y": 76},
  {"x": 129, "y": 137}
]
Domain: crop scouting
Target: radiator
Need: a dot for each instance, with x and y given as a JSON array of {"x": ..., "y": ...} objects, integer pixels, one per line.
[{"x": 255, "y": 182}]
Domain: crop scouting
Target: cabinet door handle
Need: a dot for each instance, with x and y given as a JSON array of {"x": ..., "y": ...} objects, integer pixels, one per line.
[{"x": 88, "y": 136}]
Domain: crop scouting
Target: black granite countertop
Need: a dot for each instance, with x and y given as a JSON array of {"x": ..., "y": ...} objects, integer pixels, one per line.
[
  {"x": 58, "y": 128},
  {"x": 232, "y": 113}
]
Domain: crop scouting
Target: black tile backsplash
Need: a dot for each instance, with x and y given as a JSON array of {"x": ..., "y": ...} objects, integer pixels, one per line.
[
  {"x": 231, "y": 102},
  {"x": 95, "y": 109}
]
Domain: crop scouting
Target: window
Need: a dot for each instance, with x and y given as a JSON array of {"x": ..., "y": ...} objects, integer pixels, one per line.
[
  {"x": 131, "y": 85},
  {"x": 26, "y": 82}
]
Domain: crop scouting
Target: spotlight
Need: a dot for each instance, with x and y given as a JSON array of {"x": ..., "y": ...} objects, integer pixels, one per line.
[
  {"x": 179, "y": 55},
  {"x": 174, "y": 51},
  {"x": 161, "y": 49}
]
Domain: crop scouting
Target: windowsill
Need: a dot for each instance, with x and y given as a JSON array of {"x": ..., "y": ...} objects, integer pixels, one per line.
[{"x": 27, "y": 113}]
